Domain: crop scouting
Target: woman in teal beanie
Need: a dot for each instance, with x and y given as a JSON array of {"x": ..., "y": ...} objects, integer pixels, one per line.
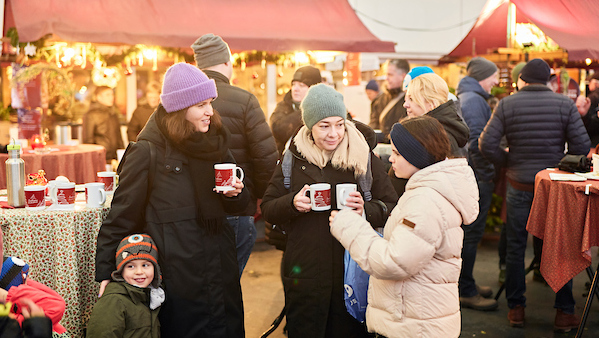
[{"x": 327, "y": 149}]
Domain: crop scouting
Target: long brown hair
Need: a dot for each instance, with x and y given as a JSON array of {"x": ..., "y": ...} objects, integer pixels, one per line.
[
  {"x": 430, "y": 133},
  {"x": 179, "y": 128}
]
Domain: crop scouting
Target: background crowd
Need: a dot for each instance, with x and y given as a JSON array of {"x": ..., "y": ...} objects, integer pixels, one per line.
[{"x": 174, "y": 247}]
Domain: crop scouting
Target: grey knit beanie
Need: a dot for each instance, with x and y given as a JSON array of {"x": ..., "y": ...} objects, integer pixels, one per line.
[
  {"x": 184, "y": 86},
  {"x": 322, "y": 101},
  {"x": 480, "y": 68},
  {"x": 210, "y": 50}
]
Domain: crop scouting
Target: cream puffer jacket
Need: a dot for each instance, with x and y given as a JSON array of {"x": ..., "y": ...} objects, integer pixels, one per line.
[{"x": 415, "y": 267}]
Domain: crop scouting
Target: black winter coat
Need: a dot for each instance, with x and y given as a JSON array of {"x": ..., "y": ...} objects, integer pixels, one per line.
[
  {"x": 33, "y": 327},
  {"x": 476, "y": 112},
  {"x": 591, "y": 120},
  {"x": 313, "y": 260},
  {"x": 457, "y": 133},
  {"x": 456, "y": 128},
  {"x": 537, "y": 123},
  {"x": 396, "y": 113},
  {"x": 285, "y": 120},
  {"x": 252, "y": 143},
  {"x": 101, "y": 125},
  {"x": 200, "y": 272},
  {"x": 140, "y": 117}
]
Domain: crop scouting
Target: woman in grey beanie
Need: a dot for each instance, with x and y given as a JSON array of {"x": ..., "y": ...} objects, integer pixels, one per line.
[
  {"x": 327, "y": 149},
  {"x": 166, "y": 190}
]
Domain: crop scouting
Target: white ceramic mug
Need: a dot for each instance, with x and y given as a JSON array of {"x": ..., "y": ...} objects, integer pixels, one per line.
[
  {"x": 49, "y": 189},
  {"x": 320, "y": 196},
  {"x": 342, "y": 195},
  {"x": 109, "y": 178},
  {"x": 595, "y": 164},
  {"x": 63, "y": 195},
  {"x": 95, "y": 196},
  {"x": 224, "y": 176},
  {"x": 35, "y": 197}
]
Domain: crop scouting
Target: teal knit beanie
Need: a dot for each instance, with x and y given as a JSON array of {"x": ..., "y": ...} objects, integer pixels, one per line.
[{"x": 322, "y": 101}]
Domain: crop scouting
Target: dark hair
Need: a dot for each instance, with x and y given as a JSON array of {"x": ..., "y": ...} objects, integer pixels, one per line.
[
  {"x": 154, "y": 86},
  {"x": 430, "y": 133},
  {"x": 400, "y": 64},
  {"x": 179, "y": 128}
]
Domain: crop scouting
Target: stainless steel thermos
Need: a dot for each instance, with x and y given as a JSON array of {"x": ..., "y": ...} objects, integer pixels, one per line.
[{"x": 15, "y": 176}]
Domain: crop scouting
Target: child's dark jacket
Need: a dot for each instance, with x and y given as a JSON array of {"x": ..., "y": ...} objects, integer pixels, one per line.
[{"x": 123, "y": 311}]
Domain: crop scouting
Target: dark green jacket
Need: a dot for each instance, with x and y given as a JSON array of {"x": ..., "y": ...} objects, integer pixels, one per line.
[{"x": 123, "y": 311}]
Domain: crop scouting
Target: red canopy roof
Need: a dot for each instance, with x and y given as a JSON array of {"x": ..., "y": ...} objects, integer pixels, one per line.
[
  {"x": 571, "y": 24},
  {"x": 489, "y": 32},
  {"x": 270, "y": 25},
  {"x": 574, "y": 25}
]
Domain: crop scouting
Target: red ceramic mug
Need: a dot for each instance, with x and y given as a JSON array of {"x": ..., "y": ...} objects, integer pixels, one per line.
[
  {"x": 63, "y": 195},
  {"x": 320, "y": 196},
  {"x": 35, "y": 197},
  {"x": 109, "y": 178},
  {"x": 224, "y": 176}
]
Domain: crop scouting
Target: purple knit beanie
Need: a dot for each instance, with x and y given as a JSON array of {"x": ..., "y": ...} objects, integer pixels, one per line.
[{"x": 184, "y": 86}]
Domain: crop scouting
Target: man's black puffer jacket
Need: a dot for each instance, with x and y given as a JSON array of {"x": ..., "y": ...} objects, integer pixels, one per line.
[{"x": 252, "y": 144}]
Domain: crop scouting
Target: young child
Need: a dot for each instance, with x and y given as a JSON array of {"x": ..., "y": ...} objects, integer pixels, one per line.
[
  {"x": 27, "y": 308},
  {"x": 129, "y": 305}
]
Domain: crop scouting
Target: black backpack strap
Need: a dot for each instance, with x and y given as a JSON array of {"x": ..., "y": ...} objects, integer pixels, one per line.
[
  {"x": 120, "y": 167},
  {"x": 152, "y": 169},
  {"x": 9, "y": 275}
]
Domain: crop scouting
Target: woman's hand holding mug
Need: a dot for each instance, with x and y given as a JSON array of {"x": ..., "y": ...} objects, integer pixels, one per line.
[
  {"x": 355, "y": 202},
  {"x": 301, "y": 202},
  {"x": 238, "y": 185}
]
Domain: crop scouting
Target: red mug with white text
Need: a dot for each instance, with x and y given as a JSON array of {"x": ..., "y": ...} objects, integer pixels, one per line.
[
  {"x": 320, "y": 196},
  {"x": 35, "y": 198},
  {"x": 63, "y": 195},
  {"x": 224, "y": 176}
]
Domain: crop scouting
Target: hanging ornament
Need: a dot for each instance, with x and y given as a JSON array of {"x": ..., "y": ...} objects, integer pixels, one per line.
[
  {"x": 106, "y": 76},
  {"x": 255, "y": 75}
]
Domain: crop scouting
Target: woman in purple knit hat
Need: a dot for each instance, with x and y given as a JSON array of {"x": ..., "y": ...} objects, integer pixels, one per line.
[{"x": 166, "y": 190}]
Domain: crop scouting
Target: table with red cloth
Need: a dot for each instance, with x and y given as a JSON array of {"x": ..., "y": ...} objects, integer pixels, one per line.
[
  {"x": 60, "y": 248},
  {"x": 567, "y": 220},
  {"x": 78, "y": 163}
]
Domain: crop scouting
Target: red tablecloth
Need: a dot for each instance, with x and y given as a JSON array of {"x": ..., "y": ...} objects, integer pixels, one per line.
[
  {"x": 78, "y": 163},
  {"x": 568, "y": 222}
]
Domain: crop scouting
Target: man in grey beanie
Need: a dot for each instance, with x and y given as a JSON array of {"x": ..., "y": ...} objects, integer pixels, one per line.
[
  {"x": 252, "y": 143},
  {"x": 473, "y": 92}
]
